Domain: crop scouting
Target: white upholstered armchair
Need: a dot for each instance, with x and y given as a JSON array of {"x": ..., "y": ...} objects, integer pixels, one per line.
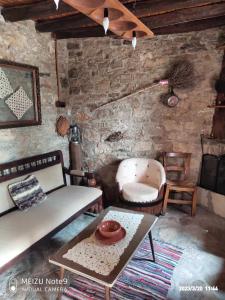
[{"x": 141, "y": 183}]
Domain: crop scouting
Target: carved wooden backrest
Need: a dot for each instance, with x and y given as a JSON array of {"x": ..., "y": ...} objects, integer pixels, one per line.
[
  {"x": 48, "y": 168},
  {"x": 177, "y": 164}
]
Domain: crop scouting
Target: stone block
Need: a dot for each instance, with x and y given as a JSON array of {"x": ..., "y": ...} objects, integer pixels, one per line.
[
  {"x": 75, "y": 90},
  {"x": 74, "y": 46},
  {"x": 64, "y": 82},
  {"x": 116, "y": 42},
  {"x": 81, "y": 117}
]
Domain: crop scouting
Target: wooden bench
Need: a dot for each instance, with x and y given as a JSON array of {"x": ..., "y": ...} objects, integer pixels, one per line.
[{"x": 20, "y": 230}]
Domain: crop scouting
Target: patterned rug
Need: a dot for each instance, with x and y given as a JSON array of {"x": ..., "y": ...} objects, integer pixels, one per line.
[{"x": 140, "y": 280}]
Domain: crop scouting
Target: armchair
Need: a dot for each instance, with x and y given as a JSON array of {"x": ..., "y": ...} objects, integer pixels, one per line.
[{"x": 141, "y": 184}]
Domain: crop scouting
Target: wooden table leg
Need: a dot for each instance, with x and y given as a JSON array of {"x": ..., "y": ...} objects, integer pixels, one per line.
[
  {"x": 165, "y": 201},
  {"x": 107, "y": 293},
  {"x": 61, "y": 276},
  {"x": 152, "y": 246},
  {"x": 194, "y": 203},
  {"x": 61, "y": 273}
]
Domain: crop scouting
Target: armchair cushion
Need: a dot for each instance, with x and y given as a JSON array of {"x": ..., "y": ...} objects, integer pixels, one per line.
[
  {"x": 139, "y": 192},
  {"x": 143, "y": 170},
  {"x": 140, "y": 179}
]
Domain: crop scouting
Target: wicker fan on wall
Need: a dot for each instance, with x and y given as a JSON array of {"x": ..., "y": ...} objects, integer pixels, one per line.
[{"x": 62, "y": 126}]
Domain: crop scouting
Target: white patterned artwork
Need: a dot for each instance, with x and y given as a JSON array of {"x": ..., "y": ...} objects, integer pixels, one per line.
[
  {"x": 19, "y": 103},
  {"x": 5, "y": 86}
]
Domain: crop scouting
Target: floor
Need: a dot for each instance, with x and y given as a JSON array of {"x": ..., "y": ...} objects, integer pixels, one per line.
[{"x": 202, "y": 265}]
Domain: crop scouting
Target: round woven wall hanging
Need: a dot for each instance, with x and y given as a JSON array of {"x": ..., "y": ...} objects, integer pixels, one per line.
[{"x": 62, "y": 126}]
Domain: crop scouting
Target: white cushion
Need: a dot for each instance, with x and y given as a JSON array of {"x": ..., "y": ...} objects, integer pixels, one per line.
[
  {"x": 141, "y": 170},
  {"x": 139, "y": 192},
  {"x": 21, "y": 229}
]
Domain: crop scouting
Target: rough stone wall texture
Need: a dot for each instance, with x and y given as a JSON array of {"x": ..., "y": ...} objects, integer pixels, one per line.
[
  {"x": 95, "y": 71},
  {"x": 103, "y": 69},
  {"x": 21, "y": 43}
]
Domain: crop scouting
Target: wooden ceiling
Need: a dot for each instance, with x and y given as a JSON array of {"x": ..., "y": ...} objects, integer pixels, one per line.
[{"x": 161, "y": 16}]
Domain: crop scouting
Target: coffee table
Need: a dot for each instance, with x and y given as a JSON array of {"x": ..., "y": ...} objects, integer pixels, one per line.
[{"x": 143, "y": 229}]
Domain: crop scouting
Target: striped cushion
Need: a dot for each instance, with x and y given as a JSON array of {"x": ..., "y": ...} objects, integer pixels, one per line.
[{"x": 27, "y": 192}]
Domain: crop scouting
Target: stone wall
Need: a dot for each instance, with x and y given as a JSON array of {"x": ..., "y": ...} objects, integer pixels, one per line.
[
  {"x": 95, "y": 71},
  {"x": 20, "y": 42},
  {"x": 214, "y": 202},
  {"x": 103, "y": 69}
]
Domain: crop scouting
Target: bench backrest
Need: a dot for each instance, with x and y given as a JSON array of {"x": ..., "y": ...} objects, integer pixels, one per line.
[{"x": 48, "y": 168}]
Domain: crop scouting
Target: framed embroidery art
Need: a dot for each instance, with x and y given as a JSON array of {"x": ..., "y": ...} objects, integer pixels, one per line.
[{"x": 19, "y": 95}]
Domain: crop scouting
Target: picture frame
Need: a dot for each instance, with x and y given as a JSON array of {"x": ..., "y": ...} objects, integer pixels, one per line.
[{"x": 20, "y": 103}]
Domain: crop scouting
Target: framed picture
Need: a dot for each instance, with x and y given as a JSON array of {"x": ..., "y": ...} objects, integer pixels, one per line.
[{"x": 19, "y": 95}]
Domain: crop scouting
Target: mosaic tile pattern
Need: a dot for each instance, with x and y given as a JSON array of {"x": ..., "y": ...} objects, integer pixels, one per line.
[
  {"x": 19, "y": 103},
  {"x": 5, "y": 86}
]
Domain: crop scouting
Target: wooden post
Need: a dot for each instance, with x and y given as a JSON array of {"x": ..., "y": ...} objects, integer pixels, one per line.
[
  {"x": 61, "y": 273},
  {"x": 75, "y": 160},
  {"x": 107, "y": 293},
  {"x": 61, "y": 276},
  {"x": 194, "y": 203}
]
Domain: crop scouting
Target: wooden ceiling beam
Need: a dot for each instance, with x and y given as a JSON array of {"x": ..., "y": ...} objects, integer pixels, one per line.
[
  {"x": 41, "y": 10},
  {"x": 185, "y": 15},
  {"x": 149, "y": 8},
  {"x": 76, "y": 21},
  {"x": 96, "y": 31},
  {"x": 172, "y": 29},
  {"x": 155, "y": 21},
  {"x": 46, "y": 9},
  {"x": 191, "y": 26},
  {"x": 121, "y": 21}
]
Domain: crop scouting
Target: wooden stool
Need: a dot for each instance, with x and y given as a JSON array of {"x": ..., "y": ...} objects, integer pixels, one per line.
[{"x": 179, "y": 184}]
